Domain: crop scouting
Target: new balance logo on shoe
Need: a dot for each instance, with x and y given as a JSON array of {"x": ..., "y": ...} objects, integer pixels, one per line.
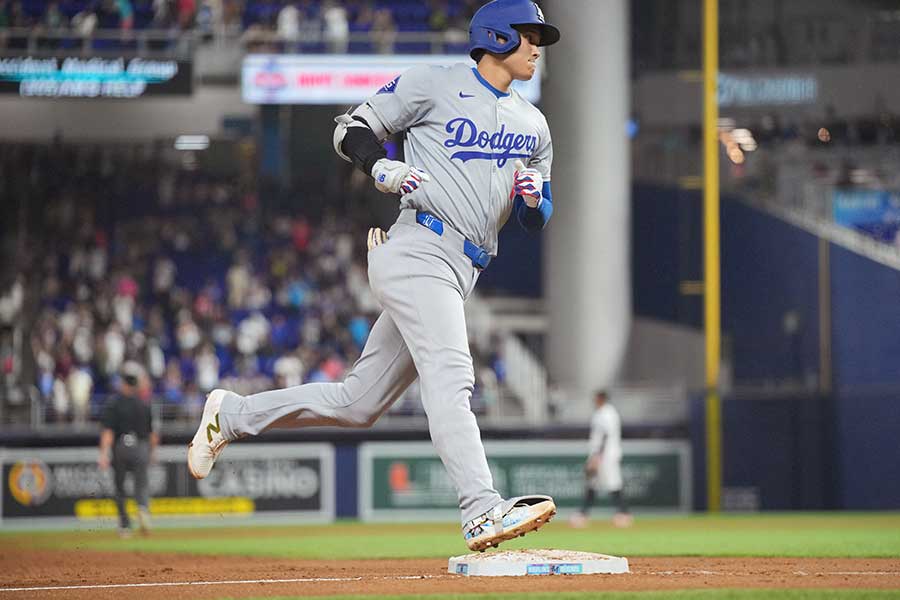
[{"x": 212, "y": 428}]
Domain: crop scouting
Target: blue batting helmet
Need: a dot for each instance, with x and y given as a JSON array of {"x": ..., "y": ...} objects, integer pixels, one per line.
[{"x": 500, "y": 18}]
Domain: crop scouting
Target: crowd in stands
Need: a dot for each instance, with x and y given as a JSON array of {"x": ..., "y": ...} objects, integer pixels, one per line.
[
  {"x": 186, "y": 272},
  {"x": 319, "y": 26}
]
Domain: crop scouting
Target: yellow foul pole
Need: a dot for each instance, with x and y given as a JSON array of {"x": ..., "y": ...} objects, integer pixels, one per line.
[{"x": 711, "y": 268}]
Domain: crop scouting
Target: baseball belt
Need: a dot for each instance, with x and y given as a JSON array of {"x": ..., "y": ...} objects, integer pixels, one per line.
[{"x": 478, "y": 255}]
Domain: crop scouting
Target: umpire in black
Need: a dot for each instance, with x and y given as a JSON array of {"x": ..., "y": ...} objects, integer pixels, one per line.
[{"x": 128, "y": 442}]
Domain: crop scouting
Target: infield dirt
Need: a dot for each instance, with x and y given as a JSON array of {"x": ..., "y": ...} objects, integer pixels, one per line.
[{"x": 42, "y": 568}]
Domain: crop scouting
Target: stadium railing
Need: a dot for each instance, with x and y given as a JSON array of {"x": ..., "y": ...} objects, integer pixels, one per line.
[{"x": 174, "y": 43}]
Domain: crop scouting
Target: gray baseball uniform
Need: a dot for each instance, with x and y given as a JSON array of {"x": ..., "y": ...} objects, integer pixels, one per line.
[{"x": 466, "y": 135}]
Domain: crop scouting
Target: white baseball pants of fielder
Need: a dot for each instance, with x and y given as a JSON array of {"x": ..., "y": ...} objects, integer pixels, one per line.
[
  {"x": 421, "y": 280},
  {"x": 609, "y": 475}
]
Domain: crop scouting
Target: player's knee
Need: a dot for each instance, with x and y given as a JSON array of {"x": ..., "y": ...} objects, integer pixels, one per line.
[
  {"x": 357, "y": 417},
  {"x": 450, "y": 387},
  {"x": 460, "y": 371}
]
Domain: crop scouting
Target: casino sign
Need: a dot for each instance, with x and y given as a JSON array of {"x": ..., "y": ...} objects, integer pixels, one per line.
[{"x": 30, "y": 482}]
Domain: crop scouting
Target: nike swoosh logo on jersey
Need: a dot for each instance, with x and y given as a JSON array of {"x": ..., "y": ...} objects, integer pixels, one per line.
[{"x": 461, "y": 95}]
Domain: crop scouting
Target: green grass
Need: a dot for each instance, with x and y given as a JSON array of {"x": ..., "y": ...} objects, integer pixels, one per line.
[
  {"x": 789, "y": 535},
  {"x": 662, "y": 595}
]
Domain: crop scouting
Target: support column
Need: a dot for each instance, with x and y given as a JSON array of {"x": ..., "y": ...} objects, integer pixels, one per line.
[{"x": 587, "y": 268}]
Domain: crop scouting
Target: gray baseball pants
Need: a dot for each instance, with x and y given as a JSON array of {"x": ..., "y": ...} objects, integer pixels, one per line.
[{"x": 421, "y": 280}]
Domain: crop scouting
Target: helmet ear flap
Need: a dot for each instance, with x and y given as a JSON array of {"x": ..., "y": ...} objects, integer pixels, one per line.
[{"x": 500, "y": 38}]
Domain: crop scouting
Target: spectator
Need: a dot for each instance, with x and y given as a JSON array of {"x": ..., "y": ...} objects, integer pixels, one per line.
[
  {"x": 310, "y": 23},
  {"x": 172, "y": 385},
  {"x": 163, "y": 19},
  {"x": 11, "y": 301},
  {"x": 113, "y": 349},
  {"x": 207, "y": 368},
  {"x": 337, "y": 29},
  {"x": 288, "y": 370},
  {"x": 252, "y": 334},
  {"x": 54, "y": 19},
  {"x": 439, "y": 18},
  {"x": 210, "y": 17},
  {"x": 384, "y": 31},
  {"x": 238, "y": 282},
  {"x": 258, "y": 294},
  {"x": 80, "y": 384},
  {"x": 188, "y": 333},
  {"x": 231, "y": 14},
  {"x": 187, "y": 10},
  {"x": 85, "y": 22},
  {"x": 126, "y": 14},
  {"x": 156, "y": 359},
  {"x": 289, "y": 18},
  {"x": 359, "y": 330},
  {"x": 60, "y": 397},
  {"x": 163, "y": 275}
]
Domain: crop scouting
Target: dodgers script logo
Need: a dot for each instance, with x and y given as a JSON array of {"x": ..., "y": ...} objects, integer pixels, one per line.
[{"x": 503, "y": 146}]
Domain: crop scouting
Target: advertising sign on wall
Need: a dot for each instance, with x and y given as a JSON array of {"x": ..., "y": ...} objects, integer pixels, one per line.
[
  {"x": 94, "y": 77},
  {"x": 875, "y": 213},
  {"x": 295, "y": 479},
  {"x": 408, "y": 479},
  {"x": 340, "y": 78},
  {"x": 753, "y": 91}
]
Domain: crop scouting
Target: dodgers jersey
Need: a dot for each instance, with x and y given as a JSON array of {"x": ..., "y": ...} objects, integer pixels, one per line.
[{"x": 467, "y": 136}]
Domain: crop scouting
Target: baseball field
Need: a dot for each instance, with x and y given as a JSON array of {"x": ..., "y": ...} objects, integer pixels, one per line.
[{"x": 837, "y": 555}]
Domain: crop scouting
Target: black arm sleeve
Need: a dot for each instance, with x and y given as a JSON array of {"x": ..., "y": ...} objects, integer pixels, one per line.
[{"x": 361, "y": 145}]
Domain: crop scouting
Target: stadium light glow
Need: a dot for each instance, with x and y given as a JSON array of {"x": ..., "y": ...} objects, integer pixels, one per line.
[{"x": 192, "y": 142}]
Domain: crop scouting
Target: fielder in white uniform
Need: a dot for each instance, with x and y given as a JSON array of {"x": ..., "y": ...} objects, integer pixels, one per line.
[
  {"x": 480, "y": 153},
  {"x": 603, "y": 468}
]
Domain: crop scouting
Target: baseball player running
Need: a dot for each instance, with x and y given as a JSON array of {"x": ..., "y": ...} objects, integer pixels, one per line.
[{"x": 475, "y": 152}]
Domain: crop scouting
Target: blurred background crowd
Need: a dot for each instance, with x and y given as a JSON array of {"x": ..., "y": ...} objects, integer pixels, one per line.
[
  {"x": 136, "y": 256},
  {"x": 320, "y": 26}
]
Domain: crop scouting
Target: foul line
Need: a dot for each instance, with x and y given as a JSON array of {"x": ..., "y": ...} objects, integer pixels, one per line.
[
  {"x": 799, "y": 573},
  {"x": 186, "y": 583},
  {"x": 350, "y": 579}
]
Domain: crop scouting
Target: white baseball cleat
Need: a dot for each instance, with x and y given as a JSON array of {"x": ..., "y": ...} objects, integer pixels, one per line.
[
  {"x": 509, "y": 519},
  {"x": 143, "y": 517},
  {"x": 578, "y": 520},
  {"x": 622, "y": 520},
  {"x": 208, "y": 442}
]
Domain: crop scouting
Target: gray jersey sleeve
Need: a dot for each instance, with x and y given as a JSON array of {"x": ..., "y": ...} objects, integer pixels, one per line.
[
  {"x": 402, "y": 103},
  {"x": 543, "y": 155}
]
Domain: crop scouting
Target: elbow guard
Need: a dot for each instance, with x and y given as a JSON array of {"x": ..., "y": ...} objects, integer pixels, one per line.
[{"x": 355, "y": 142}]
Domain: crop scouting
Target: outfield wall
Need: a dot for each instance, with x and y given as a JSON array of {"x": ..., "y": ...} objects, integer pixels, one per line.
[{"x": 373, "y": 480}]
